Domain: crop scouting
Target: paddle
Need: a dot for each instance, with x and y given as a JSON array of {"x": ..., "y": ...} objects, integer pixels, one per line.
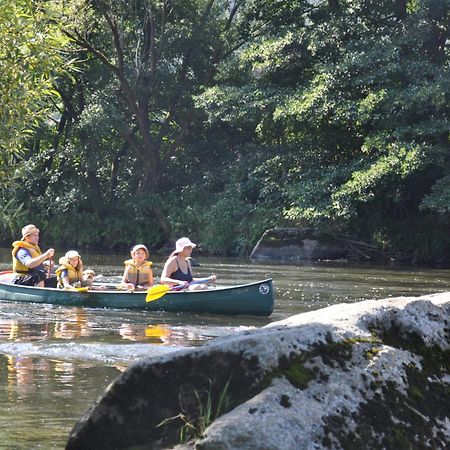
[
  {"x": 156, "y": 292},
  {"x": 76, "y": 289},
  {"x": 50, "y": 260}
]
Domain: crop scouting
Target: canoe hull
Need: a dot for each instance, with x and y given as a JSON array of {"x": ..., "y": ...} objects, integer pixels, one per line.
[{"x": 249, "y": 299}]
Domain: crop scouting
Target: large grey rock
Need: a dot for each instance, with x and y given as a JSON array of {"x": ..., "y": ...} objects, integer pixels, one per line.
[
  {"x": 374, "y": 374},
  {"x": 297, "y": 244}
]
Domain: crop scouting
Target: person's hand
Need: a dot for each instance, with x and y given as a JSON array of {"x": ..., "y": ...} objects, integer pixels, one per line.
[
  {"x": 139, "y": 287},
  {"x": 68, "y": 287},
  {"x": 49, "y": 253},
  {"x": 212, "y": 278},
  {"x": 127, "y": 286}
]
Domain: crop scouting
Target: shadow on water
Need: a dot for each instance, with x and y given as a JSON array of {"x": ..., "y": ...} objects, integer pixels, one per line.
[{"x": 55, "y": 361}]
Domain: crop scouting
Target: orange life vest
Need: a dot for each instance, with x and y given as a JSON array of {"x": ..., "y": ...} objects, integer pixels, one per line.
[{"x": 138, "y": 275}]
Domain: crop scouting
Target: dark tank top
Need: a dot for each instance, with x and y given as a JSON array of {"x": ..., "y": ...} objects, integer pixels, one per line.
[{"x": 180, "y": 275}]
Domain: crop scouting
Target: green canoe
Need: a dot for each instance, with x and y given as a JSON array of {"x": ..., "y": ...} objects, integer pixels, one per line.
[{"x": 253, "y": 299}]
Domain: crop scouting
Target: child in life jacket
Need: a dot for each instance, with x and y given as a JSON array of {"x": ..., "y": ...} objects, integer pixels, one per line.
[
  {"x": 138, "y": 272},
  {"x": 70, "y": 272}
]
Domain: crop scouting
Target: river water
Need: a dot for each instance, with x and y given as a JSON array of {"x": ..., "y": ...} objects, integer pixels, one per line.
[{"x": 55, "y": 361}]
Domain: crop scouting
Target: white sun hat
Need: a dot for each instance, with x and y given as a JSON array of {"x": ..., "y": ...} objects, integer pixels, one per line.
[
  {"x": 138, "y": 246},
  {"x": 183, "y": 242},
  {"x": 72, "y": 254}
]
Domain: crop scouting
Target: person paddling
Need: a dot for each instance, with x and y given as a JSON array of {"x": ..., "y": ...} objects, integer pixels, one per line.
[
  {"x": 28, "y": 259},
  {"x": 138, "y": 272},
  {"x": 177, "y": 269}
]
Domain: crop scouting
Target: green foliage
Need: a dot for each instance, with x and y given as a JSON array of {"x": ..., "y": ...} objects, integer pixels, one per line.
[
  {"x": 11, "y": 218},
  {"x": 365, "y": 113},
  {"x": 32, "y": 58},
  {"x": 439, "y": 198},
  {"x": 220, "y": 119},
  {"x": 231, "y": 225}
]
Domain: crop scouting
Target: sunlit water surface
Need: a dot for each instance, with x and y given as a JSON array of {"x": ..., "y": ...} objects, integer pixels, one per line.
[{"x": 55, "y": 361}]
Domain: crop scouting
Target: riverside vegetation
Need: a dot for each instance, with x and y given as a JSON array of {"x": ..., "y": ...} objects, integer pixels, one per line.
[{"x": 217, "y": 119}]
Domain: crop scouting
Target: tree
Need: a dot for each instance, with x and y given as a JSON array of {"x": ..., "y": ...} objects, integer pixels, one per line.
[
  {"x": 160, "y": 54},
  {"x": 34, "y": 55},
  {"x": 359, "y": 92},
  {"x": 32, "y": 58}
]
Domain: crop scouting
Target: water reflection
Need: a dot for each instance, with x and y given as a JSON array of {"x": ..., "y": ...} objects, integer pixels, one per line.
[
  {"x": 20, "y": 376},
  {"x": 74, "y": 325},
  {"x": 41, "y": 398},
  {"x": 156, "y": 334},
  {"x": 14, "y": 330}
]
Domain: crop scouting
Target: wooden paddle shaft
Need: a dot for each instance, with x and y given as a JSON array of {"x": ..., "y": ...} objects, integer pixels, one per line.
[{"x": 49, "y": 267}]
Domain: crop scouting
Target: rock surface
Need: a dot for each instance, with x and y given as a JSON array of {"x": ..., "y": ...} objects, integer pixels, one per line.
[
  {"x": 297, "y": 244},
  {"x": 370, "y": 375}
]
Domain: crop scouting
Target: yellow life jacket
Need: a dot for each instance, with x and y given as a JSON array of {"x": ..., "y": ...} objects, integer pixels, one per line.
[
  {"x": 34, "y": 251},
  {"x": 138, "y": 275},
  {"x": 74, "y": 274}
]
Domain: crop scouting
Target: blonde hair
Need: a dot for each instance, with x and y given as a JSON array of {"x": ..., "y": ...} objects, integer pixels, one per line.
[{"x": 79, "y": 268}]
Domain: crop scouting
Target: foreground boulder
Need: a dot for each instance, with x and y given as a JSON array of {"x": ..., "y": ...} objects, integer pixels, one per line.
[
  {"x": 373, "y": 375},
  {"x": 298, "y": 243}
]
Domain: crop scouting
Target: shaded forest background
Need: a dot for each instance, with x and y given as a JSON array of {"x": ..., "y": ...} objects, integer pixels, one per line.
[{"x": 127, "y": 121}]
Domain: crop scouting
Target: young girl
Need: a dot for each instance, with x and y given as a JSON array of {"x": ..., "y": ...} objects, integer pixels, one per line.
[
  {"x": 138, "y": 273},
  {"x": 70, "y": 272},
  {"x": 177, "y": 269}
]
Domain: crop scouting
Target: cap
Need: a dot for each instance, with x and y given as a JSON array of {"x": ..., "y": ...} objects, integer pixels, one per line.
[{"x": 138, "y": 246}]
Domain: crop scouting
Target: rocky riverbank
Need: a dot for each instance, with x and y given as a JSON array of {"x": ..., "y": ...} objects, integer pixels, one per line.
[{"x": 374, "y": 374}]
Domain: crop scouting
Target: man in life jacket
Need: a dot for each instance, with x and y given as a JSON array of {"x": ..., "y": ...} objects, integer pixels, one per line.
[{"x": 28, "y": 260}]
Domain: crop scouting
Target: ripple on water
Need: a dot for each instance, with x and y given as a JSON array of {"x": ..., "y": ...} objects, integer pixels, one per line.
[{"x": 76, "y": 351}]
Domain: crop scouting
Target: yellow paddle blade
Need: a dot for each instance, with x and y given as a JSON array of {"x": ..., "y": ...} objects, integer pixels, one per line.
[
  {"x": 82, "y": 289},
  {"x": 75, "y": 289},
  {"x": 156, "y": 292}
]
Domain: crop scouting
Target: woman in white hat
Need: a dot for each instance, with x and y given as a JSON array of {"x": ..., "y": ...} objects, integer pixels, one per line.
[
  {"x": 177, "y": 269},
  {"x": 70, "y": 272}
]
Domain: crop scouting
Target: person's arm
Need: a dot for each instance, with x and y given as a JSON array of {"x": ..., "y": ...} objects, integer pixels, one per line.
[
  {"x": 170, "y": 267},
  {"x": 211, "y": 278},
  {"x": 124, "y": 282},
  {"x": 65, "y": 280},
  {"x": 34, "y": 262}
]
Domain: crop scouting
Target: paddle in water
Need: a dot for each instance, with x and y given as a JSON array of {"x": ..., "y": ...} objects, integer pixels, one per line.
[{"x": 156, "y": 292}]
